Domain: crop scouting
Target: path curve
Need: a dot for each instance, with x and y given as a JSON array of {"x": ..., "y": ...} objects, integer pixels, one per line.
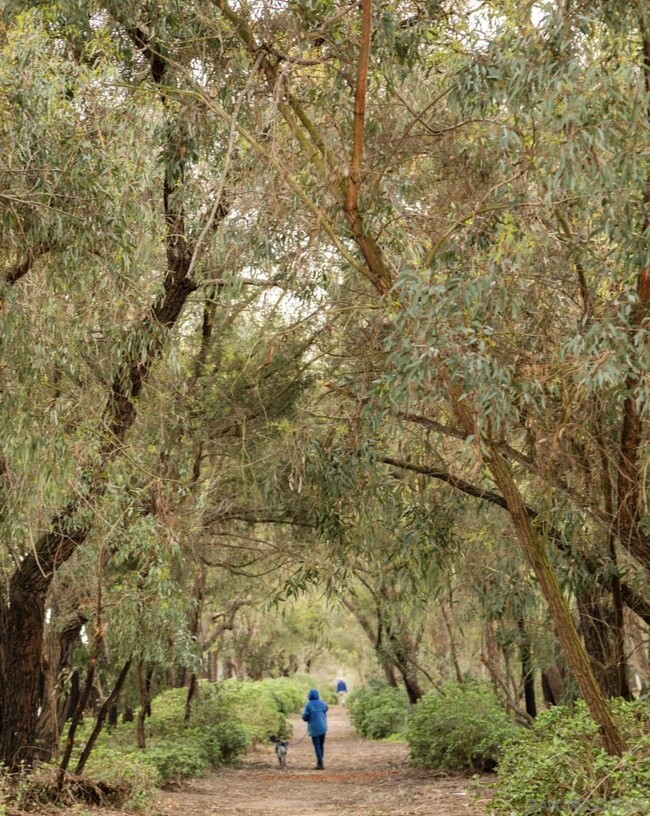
[{"x": 361, "y": 778}]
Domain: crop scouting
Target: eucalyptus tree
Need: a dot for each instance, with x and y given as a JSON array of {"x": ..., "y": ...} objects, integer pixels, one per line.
[
  {"x": 152, "y": 568},
  {"x": 466, "y": 191},
  {"x": 517, "y": 122},
  {"x": 380, "y": 547},
  {"x": 115, "y": 194}
]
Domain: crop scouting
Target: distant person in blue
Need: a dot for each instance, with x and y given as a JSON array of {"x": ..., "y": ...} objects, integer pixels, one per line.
[
  {"x": 315, "y": 715},
  {"x": 342, "y": 691}
]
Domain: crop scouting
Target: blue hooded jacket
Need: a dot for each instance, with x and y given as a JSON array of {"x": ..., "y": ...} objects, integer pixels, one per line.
[{"x": 315, "y": 714}]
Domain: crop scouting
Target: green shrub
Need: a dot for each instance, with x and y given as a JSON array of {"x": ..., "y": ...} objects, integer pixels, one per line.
[
  {"x": 328, "y": 695},
  {"x": 232, "y": 741},
  {"x": 462, "y": 728},
  {"x": 175, "y": 751},
  {"x": 225, "y": 718},
  {"x": 127, "y": 772},
  {"x": 560, "y": 767},
  {"x": 378, "y": 712},
  {"x": 254, "y": 705},
  {"x": 178, "y": 759},
  {"x": 289, "y": 693}
]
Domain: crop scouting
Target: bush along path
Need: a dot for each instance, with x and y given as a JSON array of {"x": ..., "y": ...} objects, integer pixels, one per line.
[{"x": 361, "y": 778}]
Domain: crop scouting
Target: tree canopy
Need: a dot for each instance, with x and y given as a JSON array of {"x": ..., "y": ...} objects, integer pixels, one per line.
[{"x": 341, "y": 307}]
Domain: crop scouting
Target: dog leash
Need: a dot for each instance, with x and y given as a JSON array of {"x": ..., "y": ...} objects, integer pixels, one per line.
[{"x": 304, "y": 736}]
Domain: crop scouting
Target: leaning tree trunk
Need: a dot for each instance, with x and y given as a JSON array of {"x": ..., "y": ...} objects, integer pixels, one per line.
[
  {"x": 452, "y": 645},
  {"x": 110, "y": 704},
  {"x": 81, "y": 706},
  {"x": 576, "y": 656},
  {"x": 403, "y": 654},
  {"x": 389, "y": 672}
]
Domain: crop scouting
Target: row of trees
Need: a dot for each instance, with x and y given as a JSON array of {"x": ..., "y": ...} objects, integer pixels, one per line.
[{"x": 293, "y": 291}]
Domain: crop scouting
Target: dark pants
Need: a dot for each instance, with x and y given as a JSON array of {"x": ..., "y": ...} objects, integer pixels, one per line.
[{"x": 319, "y": 747}]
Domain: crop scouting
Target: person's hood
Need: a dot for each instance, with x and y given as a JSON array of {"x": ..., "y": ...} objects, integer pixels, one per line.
[{"x": 313, "y": 695}]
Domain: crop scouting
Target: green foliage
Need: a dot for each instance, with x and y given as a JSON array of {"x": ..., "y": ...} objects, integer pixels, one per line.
[
  {"x": 288, "y": 692},
  {"x": 255, "y": 706},
  {"x": 460, "y": 727},
  {"x": 566, "y": 770},
  {"x": 229, "y": 740},
  {"x": 378, "y": 712},
  {"x": 226, "y": 717},
  {"x": 130, "y": 773},
  {"x": 183, "y": 757},
  {"x": 516, "y": 239}
]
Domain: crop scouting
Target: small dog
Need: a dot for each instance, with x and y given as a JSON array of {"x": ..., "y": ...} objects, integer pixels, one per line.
[{"x": 281, "y": 750}]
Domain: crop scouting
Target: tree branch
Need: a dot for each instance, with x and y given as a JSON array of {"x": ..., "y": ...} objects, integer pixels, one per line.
[{"x": 630, "y": 597}]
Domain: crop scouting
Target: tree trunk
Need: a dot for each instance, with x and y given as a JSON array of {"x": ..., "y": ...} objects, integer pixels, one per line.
[
  {"x": 412, "y": 687},
  {"x": 57, "y": 658},
  {"x": 81, "y": 705},
  {"x": 148, "y": 685},
  {"x": 108, "y": 705},
  {"x": 620, "y": 684},
  {"x": 630, "y": 486},
  {"x": 113, "y": 717},
  {"x": 191, "y": 692},
  {"x": 567, "y": 633},
  {"x": 213, "y": 666},
  {"x": 547, "y": 692},
  {"x": 21, "y": 638},
  {"x": 599, "y": 631},
  {"x": 389, "y": 673},
  {"x": 144, "y": 705},
  {"x": 452, "y": 645},
  {"x": 403, "y": 655},
  {"x": 492, "y": 657},
  {"x": 639, "y": 660},
  {"x": 618, "y": 634},
  {"x": 527, "y": 669},
  {"x": 70, "y": 705},
  {"x": 198, "y": 593}
]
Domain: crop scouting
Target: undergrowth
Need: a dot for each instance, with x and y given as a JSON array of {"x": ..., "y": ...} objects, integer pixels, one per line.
[
  {"x": 226, "y": 718},
  {"x": 560, "y": 767},
  {"x": 461, "y": 726},
  {"x": 379, "y": 711}
]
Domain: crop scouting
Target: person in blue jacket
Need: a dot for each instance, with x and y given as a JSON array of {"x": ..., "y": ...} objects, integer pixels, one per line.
[
  {"x": 315, "y": 715},
  {"x": 342, "y": 691}
]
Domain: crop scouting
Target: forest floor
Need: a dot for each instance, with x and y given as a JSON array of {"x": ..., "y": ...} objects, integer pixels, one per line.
[{"x": 361, "y": 778}]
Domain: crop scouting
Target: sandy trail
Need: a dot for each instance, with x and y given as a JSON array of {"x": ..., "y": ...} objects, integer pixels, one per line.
[{"x": 361, "y": 778}]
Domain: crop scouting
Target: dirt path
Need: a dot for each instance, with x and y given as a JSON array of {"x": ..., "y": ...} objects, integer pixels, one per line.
[{"x": 361, "y": 778}]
